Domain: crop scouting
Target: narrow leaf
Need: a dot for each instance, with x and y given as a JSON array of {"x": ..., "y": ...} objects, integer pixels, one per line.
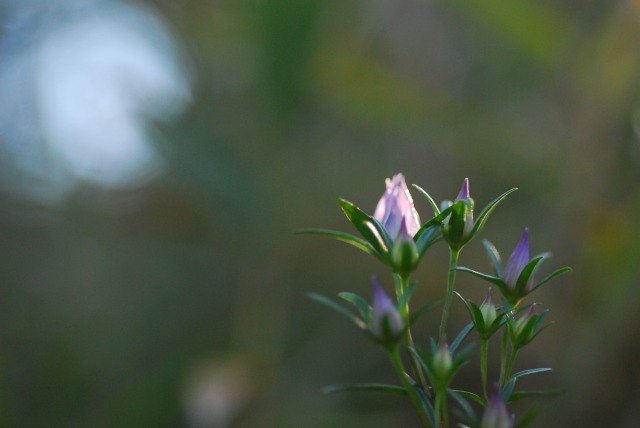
[
  {"x": 530, "y": 372},
  {"x": 492, "y": 279},
  {"x": 470, "y": 396},
  {"x": 459, "y": 397},
  {"x": 360, "y": 303},
  {"x": 494, "y": 256},
  {"x": 370, "y": 229},
  {"x": 378, "y": 387},
  {"x": 460, "y": 337},
  {"x": 484, "y": 215},
  {"x": 433, "y": 204},
  {"x": 425, "y": 238},
  {"x": 338, "y": 308},
  {"x": 553, "y": 275},
  {"x": 508, "y": 389},
  {"x": 344, "y": 237}
]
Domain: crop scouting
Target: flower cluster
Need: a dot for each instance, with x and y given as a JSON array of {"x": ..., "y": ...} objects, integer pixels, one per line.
[{"x": 395, "y": 235}]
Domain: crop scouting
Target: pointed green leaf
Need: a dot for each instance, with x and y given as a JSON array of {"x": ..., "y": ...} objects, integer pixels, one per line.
[
  {"x": 378, "y": 387},
  {"x": 553, "y": 275},
  {"x": 470, "y": 396},
  {"x": 460, "y": 337},
  {"x": 508, "y": 389},
  {"x": 496, "y": 263},
  {"x": 459, "y": 397},
  {"x": 360, "y": 303},
  {"x": 344, "y": 237},
  {"x": 369, "y": 228},
  {"x": 492, "y": 279},
  {"x": 427, "y": 408},
  {"x": 426, "y": 237},
  {"x": 530, "y": 372},
  {"x": 433, "y": 204},
  {"x": 338, "y": 308},
  {"x": 484, "y": 215}
]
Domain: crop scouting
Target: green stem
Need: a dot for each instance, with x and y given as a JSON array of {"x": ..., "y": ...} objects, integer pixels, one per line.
[
  {"x": 394, "y": 355},
  {"x": 512, "y": 359},
  {"x": 483, "y": 366},
  {"x": 453, "y": 262},
  {"x": 503, "y": 357},
  {"x": 416, "y": 369},
  {"x": 441, "y": 415}
]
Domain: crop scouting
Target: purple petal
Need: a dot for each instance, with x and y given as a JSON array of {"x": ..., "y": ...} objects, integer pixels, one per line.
[
  {"x": 464, "y": 191},
  {"x": 396, "y": 207},
  {"x": 496, "y": 415},
  {"x": 518, "y": 260}
]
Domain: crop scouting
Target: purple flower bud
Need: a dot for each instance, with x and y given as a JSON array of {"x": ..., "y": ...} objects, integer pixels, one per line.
[
  {"x": 488, "y": 310},
  {"x": 464, "y": 191},
  {"x": 395, "y": 209},
  {"x": 496, "y": 415},
  {"x": 384, "y": 312},
  {"x": 518, "y": 260}
]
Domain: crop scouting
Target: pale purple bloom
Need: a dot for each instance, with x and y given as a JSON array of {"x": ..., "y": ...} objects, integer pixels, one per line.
[
  {"x": 518, "y": 260},
  {"x": 523, "y": 320},
  {"x": 395, "y": 210},
  {"x": 496, "y": 415},
  {"x": 383, "y": 308}
]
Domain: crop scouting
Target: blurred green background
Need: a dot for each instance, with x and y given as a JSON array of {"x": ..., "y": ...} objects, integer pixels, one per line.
[{"x": 179, "y": 299}]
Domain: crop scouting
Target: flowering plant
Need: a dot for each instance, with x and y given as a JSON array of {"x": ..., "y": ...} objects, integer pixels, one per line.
[{"x": 396, "y": 237}]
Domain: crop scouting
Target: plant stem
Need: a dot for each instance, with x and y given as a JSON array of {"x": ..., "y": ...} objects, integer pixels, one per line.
[
  {"x": 441, "y": 415},
  {"x": 394, "y": 355},
  {"x": 483, "y": 366},
  {"x": 416, "y": 369},
  {"x": 512, "y": 359},
  {"x": 503, "y": 357},
  {"x": 453, "y": 262}
]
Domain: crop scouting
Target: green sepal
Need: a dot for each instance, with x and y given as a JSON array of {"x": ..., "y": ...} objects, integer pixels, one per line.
[
  {"x": 370, "y": 229},
  {"x": 377, "y": 387},
  {"x": 529, "y": 269},
  {"x": 344, "y": 237},
  {"x": 433, "y": 204},
  {"x": 484, "y": 215},
  {"x": 496, "y": 263},
  {"x": 454, "y": 230},
  {"x": 338, "y": 308},
  {"x": 361, "y": 304}
]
